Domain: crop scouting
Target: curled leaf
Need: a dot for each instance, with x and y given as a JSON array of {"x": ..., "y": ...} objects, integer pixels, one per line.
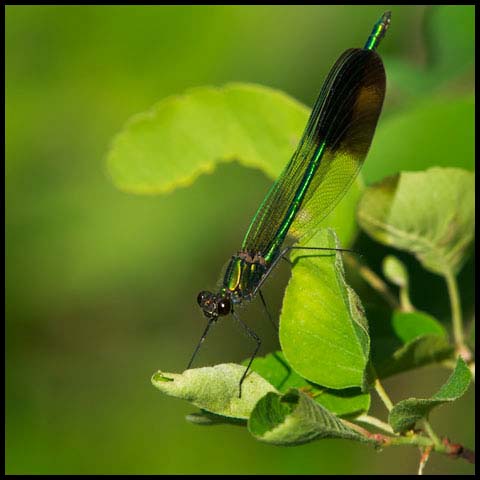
[
  {"x": 293, "y": 419},
  {"x": 275, "y": 369},
  {"x": 215, "y": 389}
]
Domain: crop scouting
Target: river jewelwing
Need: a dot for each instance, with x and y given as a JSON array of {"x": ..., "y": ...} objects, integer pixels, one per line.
[{"x": 329, "y": 156}]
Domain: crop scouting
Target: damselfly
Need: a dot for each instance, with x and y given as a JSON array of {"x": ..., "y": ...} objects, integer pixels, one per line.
[{"x": 324, "y": 165}]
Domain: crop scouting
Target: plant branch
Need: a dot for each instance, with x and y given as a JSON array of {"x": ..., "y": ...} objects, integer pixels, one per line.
[
  {"x": 427, "y": 444},
  {"x": 445, "y": 447},
  {"x": 455, "y": 450}
]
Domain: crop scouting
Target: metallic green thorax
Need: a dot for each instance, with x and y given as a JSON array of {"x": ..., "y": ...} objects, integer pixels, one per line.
[
  {"x": 243, "y": 274},
  {"x": 378, "y": 32}
]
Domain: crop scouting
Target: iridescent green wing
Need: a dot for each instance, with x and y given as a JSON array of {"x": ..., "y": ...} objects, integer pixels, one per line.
[
  {"x": 350, "y": 137},
  {"x": 328, "y": 157}
]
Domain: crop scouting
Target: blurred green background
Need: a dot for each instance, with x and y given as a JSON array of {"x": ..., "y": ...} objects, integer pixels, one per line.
[{"x": 101, "y": 285}]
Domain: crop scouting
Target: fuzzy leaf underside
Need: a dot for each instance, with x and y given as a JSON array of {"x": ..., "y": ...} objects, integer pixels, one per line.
[{"x": 406, "y": 413}]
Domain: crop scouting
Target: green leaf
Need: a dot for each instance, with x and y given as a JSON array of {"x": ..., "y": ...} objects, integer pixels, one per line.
[
  {"x": 186, "y": 135},
  {"x": 410, "y": 325},
  {"x": 215, "y": 389},
  {"x": 323, "y": 331},
  {"x": 348, "y": 402},
  {"x": 409, "y": 340},
  {"x": 425, "y": 341},
  {"x": 406, "y": 413},
  {"x": 439, "y": 130},
  {"x": 416, "y": 353},
  {"x": 430, "y": 214},
  {"x": 275, "y": 369},
  {"x": 293, "y": 419}
]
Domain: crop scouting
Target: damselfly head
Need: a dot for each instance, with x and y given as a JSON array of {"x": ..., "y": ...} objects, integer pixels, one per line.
[{"x": 214, "y": 305}]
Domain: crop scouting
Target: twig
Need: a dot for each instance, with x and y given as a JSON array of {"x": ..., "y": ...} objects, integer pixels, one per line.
[
  {"x": 445, "y": 447},
  {"x": 424, "y": 458},
  {"x": 455, "y": 450}
]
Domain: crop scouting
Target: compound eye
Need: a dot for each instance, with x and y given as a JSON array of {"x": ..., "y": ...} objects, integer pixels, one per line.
[
  {"x": 224, "y": 306},
  {"x": 202, "y": 296}
]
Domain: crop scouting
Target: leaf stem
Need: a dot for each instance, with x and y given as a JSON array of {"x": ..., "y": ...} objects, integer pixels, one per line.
[
  {"x": 383, "y": 394},
  {"x": 428, "y": 428},
  {"x": 375, "y": 422},
  {"x": 405, "y": 302},
  {"x": 377, "y": 385},
  {"x": 456, "y": 310}
]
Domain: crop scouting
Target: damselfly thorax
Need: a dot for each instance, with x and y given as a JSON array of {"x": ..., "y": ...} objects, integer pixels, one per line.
[{"x": 244, "y": 273}]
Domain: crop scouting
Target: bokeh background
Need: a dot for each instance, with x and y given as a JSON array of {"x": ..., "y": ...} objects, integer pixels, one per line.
[{"x": 101, "y": 285}]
